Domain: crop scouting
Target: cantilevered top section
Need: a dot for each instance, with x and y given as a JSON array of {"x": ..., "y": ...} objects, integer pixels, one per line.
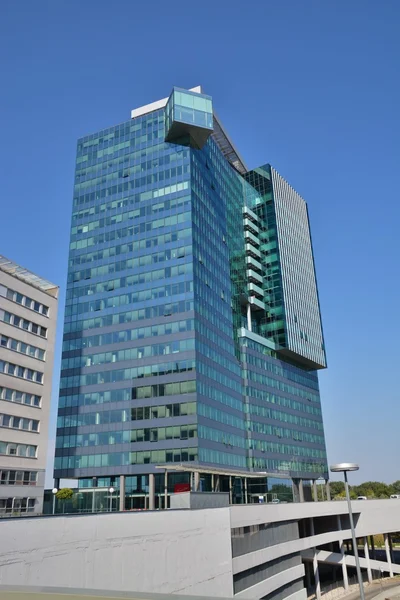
[
  {"x": 10, "y": 267},
  {"x": 188, "y": 114},
  {"x": 147, "y": 108},
  {"x": 219, "y": 134}
]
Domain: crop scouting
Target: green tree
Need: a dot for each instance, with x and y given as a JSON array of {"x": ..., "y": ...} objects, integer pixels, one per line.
[
  {"x": 373, "y": 489},
  {"x": 395, "y": 487},
  {"x": 64, "y": 494},
  {"x": 370, "y": 489},
  {"x": 337, "y": 489}
]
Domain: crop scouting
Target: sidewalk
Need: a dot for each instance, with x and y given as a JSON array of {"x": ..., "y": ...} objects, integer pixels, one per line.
[
  {"x": 391, "y": 592},
  {"x": 377, "y": 590}
]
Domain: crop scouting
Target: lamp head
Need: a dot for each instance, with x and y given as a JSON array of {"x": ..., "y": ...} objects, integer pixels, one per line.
[{"x": 342, "y": 467}]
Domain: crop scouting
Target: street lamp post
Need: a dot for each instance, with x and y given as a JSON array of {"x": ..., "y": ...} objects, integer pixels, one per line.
[
  {"x": 54, "y": 492},
  {"x": 111, "y": 490},
  {"x": 344, "y": 468}
]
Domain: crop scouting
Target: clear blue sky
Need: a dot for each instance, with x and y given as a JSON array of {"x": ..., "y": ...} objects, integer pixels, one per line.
[{"x": 311, "y": 86}]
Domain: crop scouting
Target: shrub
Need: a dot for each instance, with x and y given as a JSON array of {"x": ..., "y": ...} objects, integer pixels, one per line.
[{"x": 64, "y": 494}]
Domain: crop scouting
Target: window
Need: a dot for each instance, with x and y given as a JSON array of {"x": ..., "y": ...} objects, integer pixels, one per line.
[
  {"x": 10, "y": 369},
  {"x": 168, "y": 389},
  {"x": 24, "y": 324},
  {"x": 17, "y": 505},
  {"x": 11, "y": 449},
  {"x": 22, "y": 450},
  {"x": 27, "y": 302},
  {"x": 22, "y": 372}
]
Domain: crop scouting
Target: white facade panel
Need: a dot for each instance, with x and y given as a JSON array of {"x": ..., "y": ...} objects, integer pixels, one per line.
[{"x": 300, "y": 293}]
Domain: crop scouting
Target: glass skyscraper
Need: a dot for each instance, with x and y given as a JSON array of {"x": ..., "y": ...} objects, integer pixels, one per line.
[{"x": 192, "y": 334}]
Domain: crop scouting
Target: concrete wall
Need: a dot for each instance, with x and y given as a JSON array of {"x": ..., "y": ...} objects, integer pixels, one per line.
[
  {"x": 166, "y": 552},
  {"x": 371, "y": 516},
  {"x": 185, "y": 551},
  {"x": 197, "y": 500}
]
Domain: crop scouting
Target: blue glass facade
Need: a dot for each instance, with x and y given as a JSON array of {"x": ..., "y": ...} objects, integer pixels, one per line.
[{"x": 165, "y": 353}]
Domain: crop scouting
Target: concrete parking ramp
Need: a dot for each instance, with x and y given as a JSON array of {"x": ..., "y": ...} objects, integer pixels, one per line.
[{"x": 334, "y": 558}]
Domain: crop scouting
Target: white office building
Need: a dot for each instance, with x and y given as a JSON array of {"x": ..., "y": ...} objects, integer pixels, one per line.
[{"x": 28, "y": 315}]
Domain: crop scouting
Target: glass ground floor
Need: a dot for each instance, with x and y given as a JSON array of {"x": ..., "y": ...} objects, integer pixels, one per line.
[{"x": 152, "y": 491}]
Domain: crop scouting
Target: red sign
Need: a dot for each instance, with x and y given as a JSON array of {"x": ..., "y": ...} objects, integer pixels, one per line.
[{"x": 181, "y": 487}]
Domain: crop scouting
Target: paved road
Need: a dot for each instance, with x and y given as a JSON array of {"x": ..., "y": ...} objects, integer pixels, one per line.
[{"x": 378, "y": 590}]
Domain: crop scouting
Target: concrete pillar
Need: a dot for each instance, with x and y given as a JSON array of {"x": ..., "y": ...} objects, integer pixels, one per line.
[
  {"x": 316, "y": 576},
  {"x": 246, "y": 500},
  {"x": 196, "y": 481},
  {"x": 315, "y": 564},
  {"x": 151, "y": 492},
  {"x": 122, "y": 492},
  {"x": 230, "y": 489},
  {"x": 304, "y": 527},
  {"x": 298, "y": 491},
  {"x": 295, "y": 489},
  {"x": 366, "y": 556},
  {"x": 212, "y": 483},
  {"x": 301, "y": 490},
  {"x": 343, "y": 561},
  {"x": 388, "y": 557},
  {"x": 373, "y": 547},
  {"x": 217, "y": 483},
  {"x": 249, "y": 317},
  {"x": 307, "y": 568},
  {"x": 315, "y": 490},
  {"x": 166, "y": 489},
  {"x": 391, "y": 548},
  {"x": 328, "y": 490}
]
